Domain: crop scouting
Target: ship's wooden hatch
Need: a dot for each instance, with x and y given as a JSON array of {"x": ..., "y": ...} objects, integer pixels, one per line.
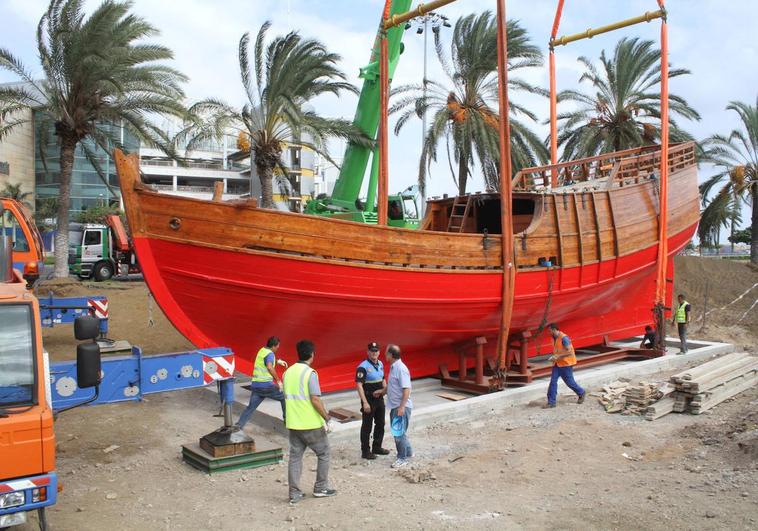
[{"x": 475, "y": 213}]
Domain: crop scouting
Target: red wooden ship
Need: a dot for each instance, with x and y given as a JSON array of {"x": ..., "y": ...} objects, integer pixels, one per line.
[
  {"x": 589, "y": 242},
  {"x": 232, "y": 274}
]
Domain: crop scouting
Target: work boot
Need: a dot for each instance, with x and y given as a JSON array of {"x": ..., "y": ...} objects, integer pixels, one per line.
[
  {"x": 580, "y": 400},
  {"x": 380, "y": 451},
  {"x": 368, "y": 455},
  {"x": 548, "y": 406}
]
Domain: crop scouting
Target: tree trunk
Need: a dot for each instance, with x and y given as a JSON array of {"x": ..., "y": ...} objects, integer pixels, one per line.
[
  {"x": 462, "y": 173},
  {"x": 266, "y": 175},
  {"x": 68, "y": 146},
  {"x": 266, "y": 158},
  {"x": 754, "y": 225},
  {"x": 731, "y": 234}
]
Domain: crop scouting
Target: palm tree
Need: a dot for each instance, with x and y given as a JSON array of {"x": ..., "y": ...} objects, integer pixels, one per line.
[
  {"x": 464, "y": 110},
  {"x": 624, "y": 110},
  {"x": 723, "y": 210},
  {"x": 285, "y": 75},
  {"x": 95, "y": 73},
  {"x": 736, "y": 156},
  {"x": 13, "y": 191}
]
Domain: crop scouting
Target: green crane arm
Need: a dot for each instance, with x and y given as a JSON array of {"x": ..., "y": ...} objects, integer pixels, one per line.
[{"x": 354, "y": 164}]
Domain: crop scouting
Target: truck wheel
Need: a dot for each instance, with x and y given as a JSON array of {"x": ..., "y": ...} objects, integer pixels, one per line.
[{"x": 103, "y": 271}]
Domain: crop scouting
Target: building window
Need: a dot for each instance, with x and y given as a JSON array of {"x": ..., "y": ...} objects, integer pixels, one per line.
[
  {"x": 295, "y": 158},
  {"x": 15, "y": 230},
  {"x": 92, "y": 237},
  {"x": 294, "y": 179},
  {"x": 87, "y": 187}
]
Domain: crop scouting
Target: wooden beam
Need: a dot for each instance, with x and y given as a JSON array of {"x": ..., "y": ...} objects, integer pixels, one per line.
[
  {"x": 611, "y": 210},
  {"x": 558, "y": 230},
  {"x": 598, "y": 230},
  {"x": 579, "y": 231}
]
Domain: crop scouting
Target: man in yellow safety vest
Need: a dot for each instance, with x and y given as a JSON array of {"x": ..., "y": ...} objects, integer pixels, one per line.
[
  {"x": 563, "y": 359},
  {"x": 307, "y": 422},
  {"x": 265, "y": 382},
  {"x": 681, "y": 320}
]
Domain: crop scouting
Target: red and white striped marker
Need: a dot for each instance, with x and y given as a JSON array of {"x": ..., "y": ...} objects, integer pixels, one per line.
[
  {"x": 217, "y": 368},
  {"x": 99, "y": 307},
  {"x": 22, "y": 484}
]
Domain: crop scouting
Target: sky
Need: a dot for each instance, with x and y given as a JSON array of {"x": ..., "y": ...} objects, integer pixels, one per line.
[{"x": 714, "y": 39}]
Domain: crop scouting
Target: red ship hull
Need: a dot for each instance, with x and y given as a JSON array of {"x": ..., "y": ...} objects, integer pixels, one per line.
[{"x": 220, "y": 297}]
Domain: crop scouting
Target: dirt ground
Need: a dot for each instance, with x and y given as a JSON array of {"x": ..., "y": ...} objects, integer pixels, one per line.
[
  {"x": 133, "y": 316},
  {"x": 724, "y": 281},
  {"x": 530, "y": 468}
]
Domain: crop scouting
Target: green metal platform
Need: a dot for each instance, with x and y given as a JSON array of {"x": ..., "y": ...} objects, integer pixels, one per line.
[{"x": 198, "y": 458}]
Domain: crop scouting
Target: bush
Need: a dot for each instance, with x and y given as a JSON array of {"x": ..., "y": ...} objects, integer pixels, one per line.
[
  {"x": 46, "y": 213},
  {"x": 98, "y": 214},
  {"x": 742, "y": 236}
]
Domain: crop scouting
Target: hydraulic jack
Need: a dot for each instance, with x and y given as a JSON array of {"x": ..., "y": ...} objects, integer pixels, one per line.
[{"x": 227, "y": 440}]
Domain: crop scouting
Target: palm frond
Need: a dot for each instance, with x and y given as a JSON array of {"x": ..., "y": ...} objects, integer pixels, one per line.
[{"x": 620, "y": 109}]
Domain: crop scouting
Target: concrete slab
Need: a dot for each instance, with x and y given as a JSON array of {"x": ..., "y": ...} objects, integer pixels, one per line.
[{"x": 430, "y": 408}]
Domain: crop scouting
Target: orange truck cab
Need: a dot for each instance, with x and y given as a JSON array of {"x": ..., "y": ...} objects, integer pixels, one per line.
[
  {"x": 28, "y": 251},
  {"x": 27, "y": 442}
]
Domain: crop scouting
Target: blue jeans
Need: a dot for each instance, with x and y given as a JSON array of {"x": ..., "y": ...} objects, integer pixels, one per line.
[
  {"x": 402, "y": 443},
  {"x": 567, "y": 375},
  {"x": 256, "y": 397}
]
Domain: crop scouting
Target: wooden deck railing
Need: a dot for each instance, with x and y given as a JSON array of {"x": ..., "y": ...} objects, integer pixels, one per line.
[{"x": 620, "y": 167}]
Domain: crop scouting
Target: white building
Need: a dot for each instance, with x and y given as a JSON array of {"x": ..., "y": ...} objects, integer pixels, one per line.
[
  {"x": 198, "y": 173},
  {"x": 214, "y": 161},
  {"x": 325, "y": 175},
  {"x": 291, "y": 190}
]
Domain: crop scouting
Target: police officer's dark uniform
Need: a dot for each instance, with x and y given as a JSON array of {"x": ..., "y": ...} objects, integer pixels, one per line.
[{"x": 371, "y": 376}]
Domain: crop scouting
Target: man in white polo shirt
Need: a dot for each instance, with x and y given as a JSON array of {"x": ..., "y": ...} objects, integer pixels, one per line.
[{"x": 398, "y": 392}]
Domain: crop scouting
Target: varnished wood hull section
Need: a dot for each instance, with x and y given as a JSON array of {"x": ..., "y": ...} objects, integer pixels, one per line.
[{"x": 231, "y": 275}]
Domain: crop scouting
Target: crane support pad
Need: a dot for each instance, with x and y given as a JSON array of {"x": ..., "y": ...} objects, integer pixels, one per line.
[{"x": 195, "y": 456}]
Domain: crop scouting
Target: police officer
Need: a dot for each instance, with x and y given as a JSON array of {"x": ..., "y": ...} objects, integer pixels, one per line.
[{"x": 369, "y": 378}]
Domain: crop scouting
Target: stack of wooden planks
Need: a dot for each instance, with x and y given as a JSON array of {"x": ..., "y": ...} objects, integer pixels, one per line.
[
  {"x": 700, "y": 388},
  {"x": 692, "y": 391},
  {"x": 612, "y": 396},
  {"x": 639, "y": 397},
  {"x": 630, "y": 399},
  {"x": 662, "y": 407}
]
